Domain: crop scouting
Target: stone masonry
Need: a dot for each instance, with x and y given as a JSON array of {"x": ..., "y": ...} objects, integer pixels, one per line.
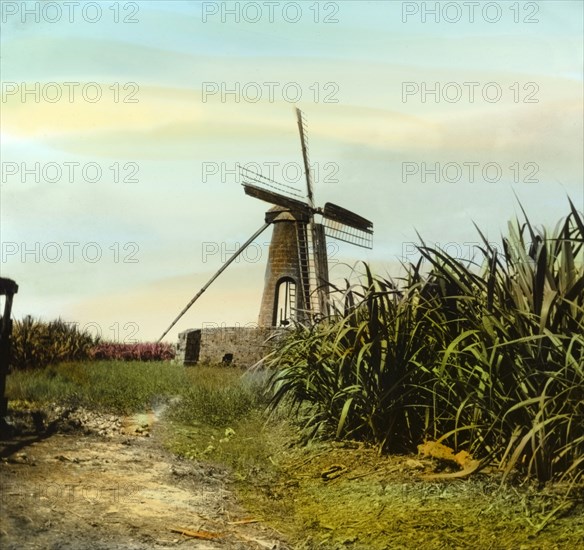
[
  {"x": 283, "y": 263},
  {"x": 237, "y": 346}
]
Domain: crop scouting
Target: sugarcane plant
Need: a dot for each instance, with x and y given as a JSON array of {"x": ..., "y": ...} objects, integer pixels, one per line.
[{"x": 487, "y": 353}]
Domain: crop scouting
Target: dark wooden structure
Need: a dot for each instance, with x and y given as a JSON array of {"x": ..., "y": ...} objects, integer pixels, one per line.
[{"x": 8, "y": 288}]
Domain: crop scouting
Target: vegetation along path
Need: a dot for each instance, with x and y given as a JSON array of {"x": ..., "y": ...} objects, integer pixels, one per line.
[
  {"x": 108, "y": 483},
  {"x": 83, "y": 479}
]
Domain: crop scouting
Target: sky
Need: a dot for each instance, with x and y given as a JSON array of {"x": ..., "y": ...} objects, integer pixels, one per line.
[{"x": 122, "y": 124}]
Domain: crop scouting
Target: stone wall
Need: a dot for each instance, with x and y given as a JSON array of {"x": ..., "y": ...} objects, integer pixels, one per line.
[{"x": 238, "y": 346}]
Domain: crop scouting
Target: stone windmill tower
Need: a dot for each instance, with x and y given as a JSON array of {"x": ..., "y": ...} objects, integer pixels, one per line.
[{"x": 281, "y": 300}]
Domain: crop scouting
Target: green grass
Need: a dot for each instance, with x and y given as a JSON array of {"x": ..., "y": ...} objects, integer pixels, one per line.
[
  {"x": 115, "y": 386},
  {"x": 221, "y": 418},
  {"x": 220, "y": 396},
  {"x": 215, "y": 395}
]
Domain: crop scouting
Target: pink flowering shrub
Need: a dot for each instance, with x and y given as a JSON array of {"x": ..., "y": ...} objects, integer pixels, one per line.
[{"x": 133, "y": 352}]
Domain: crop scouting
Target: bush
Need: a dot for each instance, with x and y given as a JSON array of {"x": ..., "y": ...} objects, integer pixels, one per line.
[
  {"x": 133, "y": 352},
  {"x": 490, "y": 356},
  {"x": 220, "y": 397},
  {"x": 36, "y": 344}
]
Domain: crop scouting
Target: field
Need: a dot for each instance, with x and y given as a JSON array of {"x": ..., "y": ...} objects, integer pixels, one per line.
[
  {"x": 210, "y": 425},
  {"x": 444, "y": 409}
]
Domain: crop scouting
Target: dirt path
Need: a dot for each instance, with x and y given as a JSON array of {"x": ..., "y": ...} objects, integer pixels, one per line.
[{"x": 124, "y": 491}]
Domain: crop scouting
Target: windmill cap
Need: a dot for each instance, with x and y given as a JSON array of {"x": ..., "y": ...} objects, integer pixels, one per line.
[{"x": 283, "y": 214}]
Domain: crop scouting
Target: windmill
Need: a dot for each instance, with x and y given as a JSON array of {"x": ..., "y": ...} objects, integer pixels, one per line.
[
  {"x": 298, "y": 259},
  {"x": 296, "y": 280}
]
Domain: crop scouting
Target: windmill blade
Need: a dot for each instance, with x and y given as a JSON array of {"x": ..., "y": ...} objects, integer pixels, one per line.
[
  {"x": 342, "y": 215},
  {"x": 303, "y": 129},
  {"x": 344, "y": 225},
  {"x": 348, "y": 234},
  {"x": 259, "y": 180},
  {"x": 277, "y": 199}
]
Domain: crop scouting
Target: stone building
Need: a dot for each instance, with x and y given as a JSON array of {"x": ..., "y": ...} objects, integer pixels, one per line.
[{"x": 237, "y": 346}]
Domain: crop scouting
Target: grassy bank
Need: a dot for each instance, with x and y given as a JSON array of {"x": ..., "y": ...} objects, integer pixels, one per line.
[
  {"x": 112, "y": 386},
  {"x": 213, "y": 395}
]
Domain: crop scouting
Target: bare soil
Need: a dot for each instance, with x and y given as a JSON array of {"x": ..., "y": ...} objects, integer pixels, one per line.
[{"x": 107, "y": 483}]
